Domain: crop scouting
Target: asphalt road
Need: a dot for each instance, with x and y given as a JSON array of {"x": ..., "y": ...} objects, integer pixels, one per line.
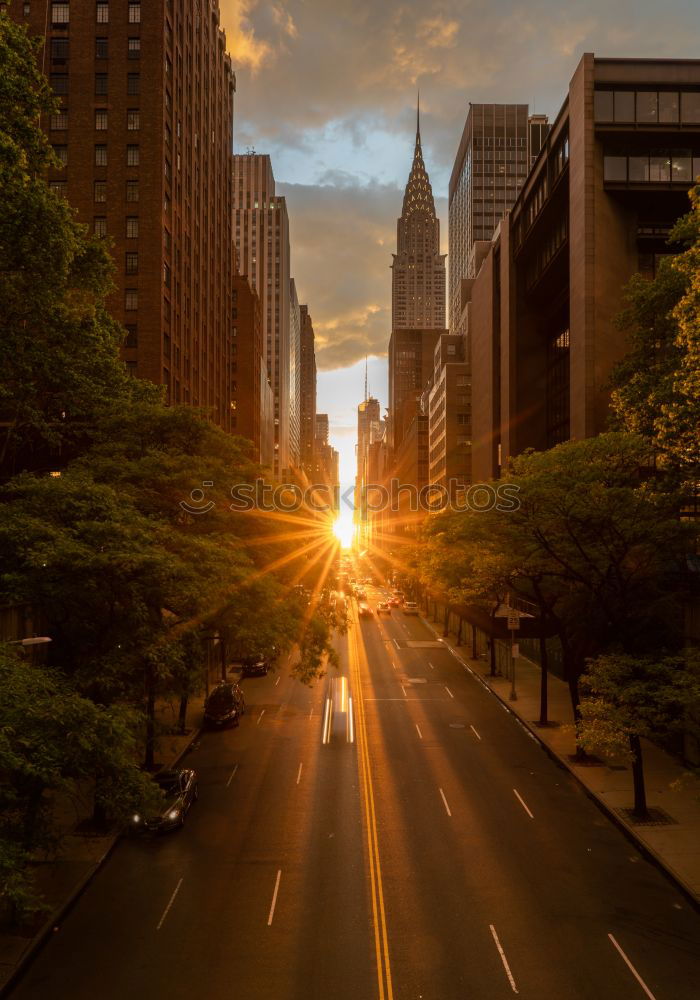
[{"x": 413, "y": 842}]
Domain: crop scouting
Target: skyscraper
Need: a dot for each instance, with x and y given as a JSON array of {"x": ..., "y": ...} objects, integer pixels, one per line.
[
  {"x": 418, "y": 268},
  {"x": 307, "y": 407},
  {"x": 498, "y": 145},
  {"x": 294, "y": 377},
  {"x": 262, "y": 245},
  {"x": 129, "y": 132}
]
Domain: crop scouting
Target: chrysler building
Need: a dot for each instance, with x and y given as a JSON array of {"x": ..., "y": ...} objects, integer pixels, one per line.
[{"x": 418, "y": 269}]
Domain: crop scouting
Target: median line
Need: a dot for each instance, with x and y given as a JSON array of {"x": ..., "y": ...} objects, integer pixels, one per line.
[
  {"x": 274, "y": 898},
  {"x": 419, "y": 732},
  {"x": 475, "y": 733},
  {"x": 260, "y": 717},
  {"x": 501, "y": 952},
  {"x": 448, "y": 691},
  {"x": 299, "y": 773},
  {"x": 632, "y": 969},
  {"x": 232, "y": 776},
  {"x": 166, "y": 911},
  {"x": 444, "y": 800}
]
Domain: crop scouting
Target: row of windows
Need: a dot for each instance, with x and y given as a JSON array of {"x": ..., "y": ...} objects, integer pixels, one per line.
[
  {"x": 132, "y": 155},
  {"x": 60, "y": 13},
  {"x": 131, "y": 228},
  {"x": 647, "y": 106},
  {"x": 654, "y": 167},
  {"x": 59, "y": 83},
  {"x": 58, "y": 121},
  {"x": 60, "y": 48}
]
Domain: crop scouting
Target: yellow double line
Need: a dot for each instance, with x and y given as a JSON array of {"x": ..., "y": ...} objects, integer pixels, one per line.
[{"x": 381, "y": 940}]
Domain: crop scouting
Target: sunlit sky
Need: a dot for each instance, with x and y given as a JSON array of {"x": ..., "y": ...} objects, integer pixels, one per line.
[{"x": 328, "y": 89}]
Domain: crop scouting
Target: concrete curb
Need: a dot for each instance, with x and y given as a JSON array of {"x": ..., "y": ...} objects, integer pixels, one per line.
[
  {"x": 644, "y": 849},
  {"x": 47, "y": 929}
]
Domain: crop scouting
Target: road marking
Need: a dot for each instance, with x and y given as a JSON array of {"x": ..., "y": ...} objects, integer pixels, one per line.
[
  {"x": 419, "y": 732},
  {"x": 430, "y": 665},
  {"x": 351, "y": 723},
  {"x": 326, "y": 734},
  {"x": 396, "y": 643},
  {"x": 274, "y": 898},
  {"x": 166, "y": 911},
  {"x": 521, "y": 800},
  {"x": 232, "y": 776},
  {"x": 449, "y": 813},
  {"x": 448, "y": 691},
  {"x": 404, "y": 691},
  {"x": 475, "y": 733},
  {"x": 277, "y": 682},
  {"x": 311, "y": 711},
  {"x": 260, "y": 717},
  {"x": 381, "y": 937},
  {"x": 299, "y": 773},
  {"x": 632, "y": 969},
  {"x": 504, "y": 959}
]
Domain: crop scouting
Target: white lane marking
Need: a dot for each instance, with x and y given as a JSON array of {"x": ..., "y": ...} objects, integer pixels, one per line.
[
  {"x": 326, "y": 722},
  {"x": 351, "y": 722},
  {"x": 260, "y": 717},
  {"x": 419, "y": 732},
  {"x": 449, "y": 813},
  {"x": 311, "y": 711},
  {"x": 299, "y": 773},
  {"x": 430, "y": 665},
  {"x": 475, "y": 733},
  {"x": 632, "y": 969},
  {"x": 277, "y": 682},
  {"x": 404, "y": 691},
  {"x": 232, "y": 776},
  {"x": 521, "y": 800},
  {"x": 274, "y": 898},
  {"x": 504, "y": 959},
  {"x": 396, "y": 643},
  {"x": 448, "y": 691},
  {"x": 166, "y": 911}
]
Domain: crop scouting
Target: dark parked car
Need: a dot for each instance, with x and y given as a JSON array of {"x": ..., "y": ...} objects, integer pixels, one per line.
[
  {"x": 256, "y": 666},
  {"x": 180, "y": 791},
  {"x": 224, "y": 706}
]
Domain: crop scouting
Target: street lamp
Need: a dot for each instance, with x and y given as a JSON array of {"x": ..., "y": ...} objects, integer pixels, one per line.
[{"x": 34, "y": 640}]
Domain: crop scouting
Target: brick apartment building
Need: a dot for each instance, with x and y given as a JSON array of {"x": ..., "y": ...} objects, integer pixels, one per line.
[
  {"x": 144, "y": 132},
  {"x": 597, "y": 206},
  {"x": 307, "y": 385},
  {"x": 252, "y": 399}
]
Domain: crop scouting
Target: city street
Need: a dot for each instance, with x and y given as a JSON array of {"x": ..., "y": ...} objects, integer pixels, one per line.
[{"x": 390, "y": 833}]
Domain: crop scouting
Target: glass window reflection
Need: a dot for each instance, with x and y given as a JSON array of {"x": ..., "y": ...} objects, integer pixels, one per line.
[{"x": 647, "y": 106}]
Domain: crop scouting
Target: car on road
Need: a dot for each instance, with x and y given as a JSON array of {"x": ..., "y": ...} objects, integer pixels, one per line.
[
  {"x": 360, "y": 594},
  {"x": 224, "y": 706},
  {"x": 255, "y": 666},
  {"x": 180, "y": 789},
  {"x": 394, "y": 602},
  {"x": 410, "y": 608},
  {"x": 364, "y": 610},
  {"x": 384, "y": 608}
]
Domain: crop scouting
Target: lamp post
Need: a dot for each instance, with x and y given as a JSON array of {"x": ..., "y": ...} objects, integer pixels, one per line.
[{"x": 513, "y": 626}]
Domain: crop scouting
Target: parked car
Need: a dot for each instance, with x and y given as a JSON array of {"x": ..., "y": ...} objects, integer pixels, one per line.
[
  {"x": 180, "y": 789},
  {"x": 255, "y": 666},
  {"x": 384, "y": 607},
  {"x": 224, "y": 706},
  {"x": 394, "y": 602},
  {"x": 364, "y": 610},
  {"x": 410, "y": 608}
]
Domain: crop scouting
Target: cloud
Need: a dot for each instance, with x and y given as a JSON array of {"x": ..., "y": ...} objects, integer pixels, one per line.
[
  {"x": 438, "y": 33},
  {"x": 284, "y": 19}
]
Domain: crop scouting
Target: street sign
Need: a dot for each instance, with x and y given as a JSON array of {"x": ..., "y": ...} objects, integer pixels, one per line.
[{"x": 513, "y": 620}]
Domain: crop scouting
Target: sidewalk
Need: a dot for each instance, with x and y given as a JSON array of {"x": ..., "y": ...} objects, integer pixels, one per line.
[
  {"x": 62, "y": 880},
  {"x": 672, "y": 839}
]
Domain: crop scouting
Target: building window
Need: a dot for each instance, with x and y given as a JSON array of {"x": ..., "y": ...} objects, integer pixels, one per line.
[
  {"x": 102, "y": 12},
  {"x": 133, "y": 84},
  {"x": 59, "y": 83},
  {"x": 100, "y": 191},
  {"x": 690, "y": 107},
  {"x": 26, "y": 8},
  {"x": 132, "y": 156},
  {"x": 647, "y": 106},
  {"x": 101, "y": 48},
  {"x": 61, "y": 154},
  {"x": 166, "y": 275},
  {"x": 132, "y": 338},
  {"x": 134, "y": 13},
  {"x": 615, "y": 168},
  {"x": 59, "y": 187},
  {"x": 131, "y": 299},
  {"x": 130, "y": 368},
  {"x": 131, "y": 263},
  {"x": 59, "y": 50},
  {"x": 100, "y": 155},
  {"x": 101, "y": 120},
  {"x": 60, "y": 14},
  {"x": 133, "y": 120},
  {"x": 669, "y": 106},
  {"x": 101, "y": 84},
  {"x": 134, "y": 48},
  {"x": 99, "y": 225},
  {"x": 132, "y": 190},
  {"x": 58, "y": 121},
  {"x": 132, "y": 227}
]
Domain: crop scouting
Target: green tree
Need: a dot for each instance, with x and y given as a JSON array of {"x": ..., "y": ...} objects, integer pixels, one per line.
[
  {"x": 58, "y": 352},
  {"x": 627, "y": 699}
]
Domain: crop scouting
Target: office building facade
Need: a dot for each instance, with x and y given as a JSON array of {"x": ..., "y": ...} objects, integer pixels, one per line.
[{"x": 307, "y": 400}]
